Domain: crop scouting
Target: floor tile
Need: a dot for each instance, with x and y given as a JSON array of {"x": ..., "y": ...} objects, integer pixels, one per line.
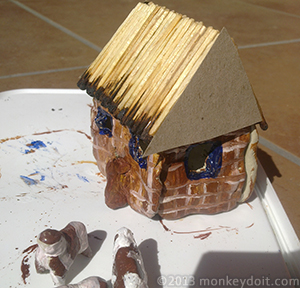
[
  {"x": 29, "y": 44},
  {"x": 97, "y": 21},
  {"x": 274, "y": 74},
  {"x": 64, "y": 79},
  {"x": 287, "y": 6},
  {"x": 284, "y": 176}
]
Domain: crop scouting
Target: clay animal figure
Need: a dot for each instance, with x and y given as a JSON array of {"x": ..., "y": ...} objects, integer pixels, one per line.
[
  {"x": 128, "y": 266},
  {"x": 90, "y": 282},
  {"x": 57, "y": 250}
]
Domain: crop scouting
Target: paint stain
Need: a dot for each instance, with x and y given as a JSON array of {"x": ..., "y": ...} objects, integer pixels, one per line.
[
  {"x": 95, "y": 237},
  {"x": 34, "y": 145},
  {"x": 42, "y": 177},
  {"x": 203, "y": 236},
  {"x": 84, "y": 162},
  {"x": 25, "y": 267},
  {"x": 43, "y": 133},
  {"x": 82, "y": 178},
  {"x": 9, "y": 139},
  {"x": 164, "y": 226},
  {"x": 251, "y": 207},
  {"x": 29, "y": 181},
  {"x": 203, "y": 233},
  {"x": 86, "y": 135}
]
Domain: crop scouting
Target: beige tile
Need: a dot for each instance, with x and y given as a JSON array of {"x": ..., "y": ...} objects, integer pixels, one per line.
[
  {"x": 29, "y": 44},
  {"x": 274, "y": 74},
  {"x": 65, "y": 79},
  {"x": 284, "y": 176},
  {"x": 287, "y": 6},
  {"x": 98, "y": 20}
]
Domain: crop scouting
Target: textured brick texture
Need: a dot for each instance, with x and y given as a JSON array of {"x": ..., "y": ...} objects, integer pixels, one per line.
[{"x": 164, "y": 188}]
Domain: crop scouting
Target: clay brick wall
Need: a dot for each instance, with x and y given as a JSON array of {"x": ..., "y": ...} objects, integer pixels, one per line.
[{"x": 164, "y": 187}]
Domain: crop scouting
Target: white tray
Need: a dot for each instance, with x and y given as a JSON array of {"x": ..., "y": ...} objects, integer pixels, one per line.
[{"x": 253, "y": 243}]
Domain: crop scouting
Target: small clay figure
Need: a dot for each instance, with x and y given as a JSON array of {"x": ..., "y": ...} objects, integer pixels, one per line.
[
  {"x": 57, "y": 250},
  {"x": 128, "y": 267}
]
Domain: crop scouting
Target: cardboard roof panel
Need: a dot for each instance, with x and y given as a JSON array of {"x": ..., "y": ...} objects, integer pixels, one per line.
[
  {"x": 218, "y": 100},
  {"x": 171, "y": 80}
]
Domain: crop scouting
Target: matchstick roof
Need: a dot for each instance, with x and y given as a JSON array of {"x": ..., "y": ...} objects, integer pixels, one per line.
[{"x": 171, "y": 80}]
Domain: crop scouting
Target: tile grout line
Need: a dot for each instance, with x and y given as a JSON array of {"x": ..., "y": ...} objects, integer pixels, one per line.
[
  {"x": 273, "y": 10},
  {"x": 269, "y": 44},
  {"x": 56, "y": 25},
  {"x": 42, "y": 72},
  {"x": 280, "y": 151}
]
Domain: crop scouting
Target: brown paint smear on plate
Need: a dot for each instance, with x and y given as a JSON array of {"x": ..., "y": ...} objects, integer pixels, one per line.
[{"x": 25, "y": 267}]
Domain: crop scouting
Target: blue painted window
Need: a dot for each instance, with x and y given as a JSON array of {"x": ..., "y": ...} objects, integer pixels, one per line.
[
  {"x": 203, "y": 160},
  {"x": 104, "y": 122},
  {"x": 136, "y": 152}
]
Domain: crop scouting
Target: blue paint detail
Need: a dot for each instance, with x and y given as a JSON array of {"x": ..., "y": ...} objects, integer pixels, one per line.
[
  {"x": 29, "y": 181},
  {"x": 104, "y": 122},
  {"x": 83, "y": 178},
  {"x": 136, "y": 152},
  {"x": 213, "y": 162},
  {"x": 35, "y": 145}
]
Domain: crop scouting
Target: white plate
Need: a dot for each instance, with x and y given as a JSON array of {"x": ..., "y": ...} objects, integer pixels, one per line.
[{"x": 56, "y": 181}]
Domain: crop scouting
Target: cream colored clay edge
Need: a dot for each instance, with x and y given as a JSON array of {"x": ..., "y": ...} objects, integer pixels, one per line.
[{"x": 250, "y": 164}]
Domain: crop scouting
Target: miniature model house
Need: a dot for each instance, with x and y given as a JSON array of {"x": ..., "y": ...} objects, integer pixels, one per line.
[{"x": 174, "y": 114}]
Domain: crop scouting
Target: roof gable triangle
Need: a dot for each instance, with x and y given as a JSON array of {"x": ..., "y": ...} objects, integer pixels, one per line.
[{"x": 219, "y": 99}]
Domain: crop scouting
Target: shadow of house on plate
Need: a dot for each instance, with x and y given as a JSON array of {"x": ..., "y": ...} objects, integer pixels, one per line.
[
  {"x": 243, "y": 269},
  {"x": 268, "y": 164},
  {"x": 174, "y": 115},
  {"x": 149, "y": 251}
]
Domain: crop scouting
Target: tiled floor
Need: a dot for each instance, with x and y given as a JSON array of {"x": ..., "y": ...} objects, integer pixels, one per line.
[{"x": 48, "y": 44}]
